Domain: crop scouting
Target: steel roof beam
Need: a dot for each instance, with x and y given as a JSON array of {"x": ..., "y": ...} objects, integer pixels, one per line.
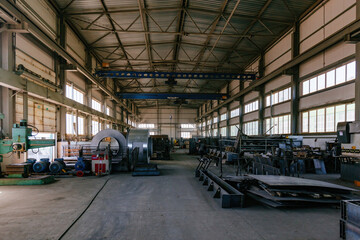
[
  {"x": 179, "y": 28},
  {"x": 177, "y": 33},
  {"x": 173, "y": 96},
  {"x": 207, "y": 11},
  {"x": 144, "y": 22},
  {"x": 145, "y": 25},
  {"x": 175, "y": 75},
  {"x": 212, "y": 30},
  {"x": 48, "y": 41},
  {"x": 111, "y": 21},
  {"x": 250, "y": 26}
]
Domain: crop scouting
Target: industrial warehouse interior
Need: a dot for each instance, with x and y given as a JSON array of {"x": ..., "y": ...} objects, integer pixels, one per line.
[{"x": 180, "y": 119}]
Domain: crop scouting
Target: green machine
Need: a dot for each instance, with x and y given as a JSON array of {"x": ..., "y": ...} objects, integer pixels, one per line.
[
  {"x": 18, "y": 173},
  {"x": 21, "y": 142}
]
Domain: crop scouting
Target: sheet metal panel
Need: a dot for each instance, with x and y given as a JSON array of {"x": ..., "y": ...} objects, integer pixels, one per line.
[
  {"x": 41, "y": 12},
  {"x": 33, "y": 52},
  {"x": 277, "y": 83},
  {"x": 75, "y": 46},
  {"x": 278, "y": 49},
  {"x": 283, "y": 181},
  {"x": 329, "y": 97}
]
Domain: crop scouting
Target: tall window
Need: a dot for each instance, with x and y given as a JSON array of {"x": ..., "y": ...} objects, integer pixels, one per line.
[
  {"x": 188, "y": 125},
  {"x": 326, "y": 119},
  {"x": 94, "y": 127},
  {"x": 146, "y": 125},
  {"x": 251, "y": 128},
  {"x": 209, "y": 122},
  {"x": 278, "y": 125},
  {"x": 96, "y": 105},
  {"x": 330, "y": 78},
  {"x": 71, "y": 124},
  {"x": 215, "y": 132},
  {"x": 107, "y": 126},
  {"x": 108, "y": 111},
  {"x": 81, "y": 126},
  {"x": 234, "y": 113},
  {"x": 223, "y": 131},
  {"x": 233, "y": 130},
  {"x": 215, "y": 119},
  {"x": 185, "y": 135},
  {"x": 74, "y": 94},
  {"x": 223, "y": 117},
  {"x": 278, "y": 97},
  {"x": 253, "y": 106}
]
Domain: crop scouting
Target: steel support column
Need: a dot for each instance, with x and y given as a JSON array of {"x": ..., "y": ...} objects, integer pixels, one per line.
[
  {"x": 228, "y": 112},
  {"x": 261, "y": 110},
  {"x": 295, "y": 82},
  {"x": 7, "y": 96},
  {"x": 241, "y": 108},
  {"x": 88, "y": 95},
  {"x": 61, "y": 116},
  {"x": 25, "y": 105},
  {"x": 357, "y": 79},
  {"x": 262, "y": 99},
  {"x": 122, "y": 118}
]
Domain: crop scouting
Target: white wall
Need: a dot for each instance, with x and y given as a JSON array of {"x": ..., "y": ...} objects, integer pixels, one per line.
[{"x": 161, "y": 118}]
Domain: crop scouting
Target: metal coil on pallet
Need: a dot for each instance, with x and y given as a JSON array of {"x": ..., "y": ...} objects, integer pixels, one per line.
[
  {"x": 118, "y": 154},
  {"x": 139, "y": 140}
]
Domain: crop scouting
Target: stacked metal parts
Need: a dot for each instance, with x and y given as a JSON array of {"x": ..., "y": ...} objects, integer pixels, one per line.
[
  {"x": 350, "y": 220},
  {"x": 284, "y": 191},
  {"x": 161, "y": 147}
]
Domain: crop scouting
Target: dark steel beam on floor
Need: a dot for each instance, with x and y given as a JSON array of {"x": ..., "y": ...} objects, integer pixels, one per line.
[
  {"x": 203, "y": 96},
  {"x": 176, "y": 75}
]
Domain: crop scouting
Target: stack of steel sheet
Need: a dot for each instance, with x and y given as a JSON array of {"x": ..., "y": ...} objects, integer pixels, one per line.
[
  {"x": 283, "y": 191},
  {"x": 350, "y": 219}
]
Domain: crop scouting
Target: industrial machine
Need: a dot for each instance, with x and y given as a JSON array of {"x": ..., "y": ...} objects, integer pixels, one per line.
[
  {"x": 110, "y": 150},
  {"x": 21, "y": 141},
  {"x": 115, "y": 140},
  {"x": 101, "y": 162},
  {"x": 140, "y": 151},
  {"x": 161, "y": 147},
  {"x": 348, "y": 134}
]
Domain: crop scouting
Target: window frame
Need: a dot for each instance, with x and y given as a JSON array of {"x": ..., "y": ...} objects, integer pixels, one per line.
[
  {"x": 329, "y": 111},
  {"x": 331, "y": 78}
]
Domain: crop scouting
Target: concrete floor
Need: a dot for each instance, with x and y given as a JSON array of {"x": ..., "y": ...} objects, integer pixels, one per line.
[{"x": 171, "y": 206}]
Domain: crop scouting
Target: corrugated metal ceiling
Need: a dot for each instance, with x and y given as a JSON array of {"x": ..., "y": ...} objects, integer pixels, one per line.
[{"x": 211, "y": 35}]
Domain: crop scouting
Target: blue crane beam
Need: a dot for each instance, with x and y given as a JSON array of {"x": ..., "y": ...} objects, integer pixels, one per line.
[
  {"x": 175, "y": 75},
  {"x": 198, "y": 96}
]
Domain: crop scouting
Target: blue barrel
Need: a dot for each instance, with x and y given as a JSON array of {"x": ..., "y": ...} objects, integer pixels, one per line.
[
  {"x": 57, "y": 165},
  {"x": 31, "y": 160},
  {"x": 80, "y": 165},
  {"x": 40, "y": 167},
  {"x": 45, "y": 160}
]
